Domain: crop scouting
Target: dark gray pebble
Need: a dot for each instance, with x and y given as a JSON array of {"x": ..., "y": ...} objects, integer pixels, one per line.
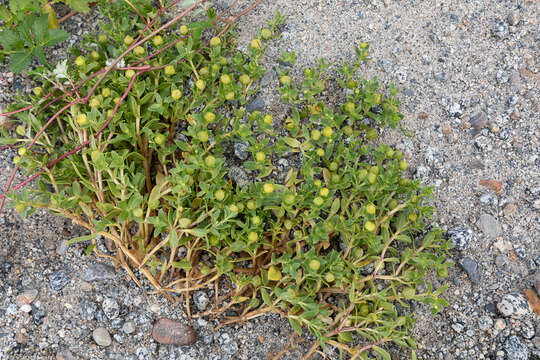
[{"x": 58, "y": 280}]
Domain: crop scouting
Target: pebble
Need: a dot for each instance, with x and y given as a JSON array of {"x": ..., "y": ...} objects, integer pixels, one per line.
[
  {"x": 515, "y": 350},
  {"x": 256, "y": 104},
  {"x": 489, "y": 225},
  {"x": 462, "y": 237},
  {"x": 471, "y": 268},
  {"x": 514, "y": 305},
  {"x": 537, "y": 281},
  {"x": 88, "y": 309},
  {"x": 239, "y": 176},
  {"x": 502, "y": 76},
  {"x": 98, "y": 271},
  {"x": 26, "y": 308},
  {"x": 513, "y": 18},
  {"x": 128, "y": 327},
  {"x": 500, "y": 324},
  {"x": 510, "y": 209},
  {"x": 201, "y": 300},
  {"x": 485, "y": 323},
  {"x": 458, "y": 327},
  {"x": 110, "y": 308},
  {"x": 499, "y": 29},
  {"x": 534, "y": 301},
  {"x": 454, "y": 110},
  {"x": 101, "y": 336},
  {"x": 171, "y": 332},
  {"x": 38, "y": 313},
  {"x": 515, "y": 84},
  {"x": 240, "y": 150},
  {"x": 479, "y": 120},
  {"x": 26, "y": 297},
  {"x": 58, "y": 280}
]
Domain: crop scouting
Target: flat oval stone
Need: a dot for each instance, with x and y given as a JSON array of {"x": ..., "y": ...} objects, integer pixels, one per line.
[{"x": 171, "y": 332}]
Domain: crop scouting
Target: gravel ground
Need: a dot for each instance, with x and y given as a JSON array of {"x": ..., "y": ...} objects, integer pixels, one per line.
[{"x": 469, "y": 75}]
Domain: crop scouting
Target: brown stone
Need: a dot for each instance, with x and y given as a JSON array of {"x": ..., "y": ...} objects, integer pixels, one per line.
[
  {"x": 171, "y": 332},
  {"x": 20, "y": 338},
  {"x": 491, "y": 184},
  {"x": 534, "y": 301},
  {"x": 510, "y": 209},
  {"x": 26, "y": 297}
]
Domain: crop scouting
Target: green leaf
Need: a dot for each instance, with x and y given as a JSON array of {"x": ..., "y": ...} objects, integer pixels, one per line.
[
  {"x": 55, "y": 36},
  {"x": 292, "y": 142},
  {"x": 78, "y": 5},
  {"x": 4, "y": 13},
  {"x": 39, "y": 28},
  {"x": 89, "y": 249},
  {"x": 266, "y": 297},
  {"x": 20, "y": 61},
  {"x": 296, "y": 325},
  {"x": 182, "y": 264},
  {"x": 82, "y": 238},
  {"x": 10, "y": 40},
  {"x": 385, "y": 355},
  {"x": 38, "y": 52},
  {"x": 200, "y": 233},
  {"x": 413, "y": 355}
]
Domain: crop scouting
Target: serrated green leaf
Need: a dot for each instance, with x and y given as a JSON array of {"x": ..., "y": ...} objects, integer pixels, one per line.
[
  {"x": 55, "y": 36},
  {"x": 38, "y": 52},
  {"x": 39, "y": 28},
  {"x": 19, "y": 61},
  {"x": 78, "y": 5},
  {"x": 10, "y": 40}
]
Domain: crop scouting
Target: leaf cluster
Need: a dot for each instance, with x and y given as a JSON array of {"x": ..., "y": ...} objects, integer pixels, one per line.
[{"x": 28, "y": 27}]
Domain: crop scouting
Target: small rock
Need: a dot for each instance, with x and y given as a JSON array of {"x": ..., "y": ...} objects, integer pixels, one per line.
[
  {"x": 171, "y": 332},
  {"x": 513, "y": 18},
  {"x": 38, "y": 313},
  {"x": 101, "y": 337},
  {"x": 491, "y": 184},
  {"x": 201, "y": 300},
  {"x": 500, "y": 324},
  {"x": 239, "y": 176},
  {"x": 98, "y": 271},
  {"x": 485, "y": 323},
  {"x": 58, "y": 280},
  {"x": 527, "y": 330},
  {"x": 64, "y": 355},
  {"x": 400, "y": 73},
  {"x": 458, "y": 327},
  {"x": 26, "y": 297},
  {"x": 462, "y": 237},
  {"x": 533, "y": 299},
  {"x": 471, "y": 268},
  {"x": 514, "y": 305},
  {"x": 128, "y": 327},
  {"x": 500, "y": 29},
  {"x": 26, "y": 308},
  {"x": 515, "y": 350},
  {"x": 110, "y": 308},
  {"x": 256, "y": 104},
  {"x": 479, "y": 121},
  {"x": 537, "y": 281},
  {"x": 502, "y": 76},
  {"x": 454, "y": 110},
  {"x": 240, "y": 150},
  {"x": 489, "y": 225},
  {"x": 510, "y": 209},
  {"x": 119, "y": 338},
  {"x": 88, "y": 309}
]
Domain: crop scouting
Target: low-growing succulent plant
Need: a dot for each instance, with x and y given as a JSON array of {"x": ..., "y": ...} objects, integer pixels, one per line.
[{"x": 139, "y": 153}]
